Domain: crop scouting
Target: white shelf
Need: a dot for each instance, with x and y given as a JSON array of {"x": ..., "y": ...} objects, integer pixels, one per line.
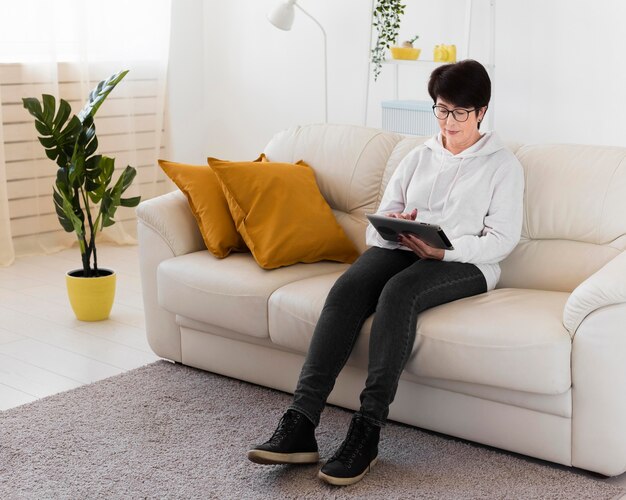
[
  {"x": 423, "y": 62},
  {"x": 429, "y": 64},
  {"x": 411, "y": 62}
]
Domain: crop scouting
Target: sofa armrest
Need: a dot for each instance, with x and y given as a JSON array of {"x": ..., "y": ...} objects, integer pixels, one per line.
[
  {"x": 598, "y": 381},
  {"x": 605, "y": 287},
  {"x": 169, "y": 215},
  {"x": 166, "y": 228}
]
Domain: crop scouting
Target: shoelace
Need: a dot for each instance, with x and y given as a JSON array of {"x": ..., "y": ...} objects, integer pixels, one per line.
[
  {"x": 358, "y": 434},
  {"x": 285, "y": 426}
]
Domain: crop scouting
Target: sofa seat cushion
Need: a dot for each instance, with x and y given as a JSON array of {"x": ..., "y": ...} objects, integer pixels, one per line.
[
  {"x": 507, "y": 338},
  {"x": 231, "y": 293}
]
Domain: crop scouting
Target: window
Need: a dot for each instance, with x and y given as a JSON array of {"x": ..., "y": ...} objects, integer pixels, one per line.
[
  {"x": 76, "y": 30},
  {"x": 64, "y": 48}
]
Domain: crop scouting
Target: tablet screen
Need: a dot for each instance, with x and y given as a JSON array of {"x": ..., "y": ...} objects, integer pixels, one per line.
[{"x": 389, "y": 228}]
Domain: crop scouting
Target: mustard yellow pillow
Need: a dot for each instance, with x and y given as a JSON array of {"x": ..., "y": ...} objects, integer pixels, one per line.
[
  {"x": 261, "y": 158},
  {"x": 280, "y": 213},
  {"x": 209, "y": 207}
]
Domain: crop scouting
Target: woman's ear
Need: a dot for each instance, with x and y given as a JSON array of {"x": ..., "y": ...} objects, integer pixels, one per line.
[{"x": 481, "y": 113}]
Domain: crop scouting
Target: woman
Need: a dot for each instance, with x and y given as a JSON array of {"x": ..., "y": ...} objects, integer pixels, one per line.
[{"x": 463, "y": 180}]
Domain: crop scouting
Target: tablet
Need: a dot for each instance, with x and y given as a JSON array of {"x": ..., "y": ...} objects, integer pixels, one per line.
[{"x": 389, "y": 228}]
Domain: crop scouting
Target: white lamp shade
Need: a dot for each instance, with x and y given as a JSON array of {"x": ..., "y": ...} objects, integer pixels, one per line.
[{"x": 282, "y": 15}]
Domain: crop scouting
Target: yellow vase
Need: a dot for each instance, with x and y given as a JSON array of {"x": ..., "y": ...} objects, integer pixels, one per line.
[
  {"x": 444, "y": 53},
  {"x": 91, "y": 298}
]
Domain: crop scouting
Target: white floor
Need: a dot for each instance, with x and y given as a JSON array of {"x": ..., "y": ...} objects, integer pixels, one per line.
[{"x": 44, "y": 349}]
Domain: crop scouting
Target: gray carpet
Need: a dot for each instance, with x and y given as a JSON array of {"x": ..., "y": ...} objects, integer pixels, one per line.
[{"x": 169, "y": 431}]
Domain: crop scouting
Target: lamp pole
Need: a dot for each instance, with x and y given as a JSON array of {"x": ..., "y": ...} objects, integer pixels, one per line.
[
  {"x": 282, "y": 17},
  {"x": 369, "y": 66},
  {"x": 325, "y": 61}
]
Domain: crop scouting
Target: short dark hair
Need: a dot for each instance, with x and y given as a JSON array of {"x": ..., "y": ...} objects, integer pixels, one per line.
[{"x": 465, "y": 84}]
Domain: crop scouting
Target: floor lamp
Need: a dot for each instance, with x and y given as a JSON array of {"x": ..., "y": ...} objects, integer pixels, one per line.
[{"x": 282, "y": 17}]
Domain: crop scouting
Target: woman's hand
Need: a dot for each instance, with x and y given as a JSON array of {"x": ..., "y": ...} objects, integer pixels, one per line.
[
  {"x": 398, "y": 215},
  {"x": 421, "y": 249}
]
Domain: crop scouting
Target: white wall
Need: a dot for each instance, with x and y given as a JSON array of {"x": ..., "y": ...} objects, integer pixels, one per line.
[
  {"x": 235, "y": 79},
  {"x": 263, "y": 79},
  {"x": 187, "y": 125},
  {"x": 561, "y": 75}
]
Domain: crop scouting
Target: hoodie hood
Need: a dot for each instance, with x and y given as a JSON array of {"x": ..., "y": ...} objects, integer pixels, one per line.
[{"x": 488, "y": 144}]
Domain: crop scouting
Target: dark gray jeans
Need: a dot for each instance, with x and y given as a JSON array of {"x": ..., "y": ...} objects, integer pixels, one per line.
[{"x": 397, "y": 285}]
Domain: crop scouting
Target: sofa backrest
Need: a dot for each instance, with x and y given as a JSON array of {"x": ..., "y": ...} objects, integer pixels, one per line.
[
  {"x": 574, "y": 215},
  {"x": 574, "y": 201},
  {"x": 349, "y": 165}
]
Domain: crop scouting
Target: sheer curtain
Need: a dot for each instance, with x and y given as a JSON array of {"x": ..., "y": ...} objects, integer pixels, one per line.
[{"x": 65, "y": 48}]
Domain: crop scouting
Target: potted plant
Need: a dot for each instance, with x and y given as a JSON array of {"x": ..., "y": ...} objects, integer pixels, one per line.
[
  {"x": 386, "y": 20},
  {"x": 84, "y": 183}
]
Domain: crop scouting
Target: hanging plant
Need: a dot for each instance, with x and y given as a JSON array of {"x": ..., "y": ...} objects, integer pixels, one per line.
[{"x": 386, "y": 20}]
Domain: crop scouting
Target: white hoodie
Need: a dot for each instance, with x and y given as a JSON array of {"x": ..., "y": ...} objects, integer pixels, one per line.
[{"x": 476, "y": 197}]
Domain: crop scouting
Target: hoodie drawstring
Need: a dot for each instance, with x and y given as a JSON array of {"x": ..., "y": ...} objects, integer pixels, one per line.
[
  {"x": 432, "y": 188},
  {"x": 456, "y": 176}
]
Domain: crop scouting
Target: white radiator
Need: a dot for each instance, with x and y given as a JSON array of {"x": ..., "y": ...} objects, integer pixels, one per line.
[{"x": 409, "y": 117}]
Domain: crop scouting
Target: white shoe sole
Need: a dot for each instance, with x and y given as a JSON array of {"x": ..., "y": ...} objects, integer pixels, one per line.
[
  {"x": 346, "y": 481},
  {"x": 272, "y": 458}
]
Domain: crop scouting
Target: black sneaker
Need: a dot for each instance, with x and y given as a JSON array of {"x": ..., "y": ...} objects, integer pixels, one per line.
[
  {"x": 293, "y": 442},
  {"x": 356, "y": 455}
]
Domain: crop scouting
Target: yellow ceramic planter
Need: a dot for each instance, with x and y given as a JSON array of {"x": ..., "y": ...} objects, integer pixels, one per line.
[
  {"x": 408, "y": 53},
  {"x": 91, "y": 298}
]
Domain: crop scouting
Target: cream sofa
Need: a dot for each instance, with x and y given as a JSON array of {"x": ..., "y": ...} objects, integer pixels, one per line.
[{"x": 536, "y": 366}]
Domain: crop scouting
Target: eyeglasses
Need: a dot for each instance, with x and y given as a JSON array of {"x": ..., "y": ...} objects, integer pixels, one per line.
[{"x": 459, "y": 114}]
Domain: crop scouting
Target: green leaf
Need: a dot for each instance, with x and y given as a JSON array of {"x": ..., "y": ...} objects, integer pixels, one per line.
[
  {"x": 92, "y": 146},
  {"x": 62, "y": 160},
  {"x": 55, "y": 141},
  {"x": 76, "y": 172},
  {"x": 33, "y": 106},
  {"x": 92, "y": 163},
  {"x": 62, "y": 183},
  {"x": 77, "y": 224},
  {"x": 92, "y": 178},
  {"x": 100, "y": 178},
  {"x": 42, "y": 128},
  {"x": 112, "y": 197},
  {"x": 62, "y": 114},
  {"x": 107, "y": 165},
  {"x": 49, "y": 106},
  {"x": 66, "y": 224},
  {"x": 107, "y": 209},
  {"x": 126, "y": 178},
  {"x": 48, "y": 142},
  {"x": 130, "y": 202},
  {"x": 72, "y": 128},
  {"x": 99, "y": 94},
  {"x": 68, "y": 207}
]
